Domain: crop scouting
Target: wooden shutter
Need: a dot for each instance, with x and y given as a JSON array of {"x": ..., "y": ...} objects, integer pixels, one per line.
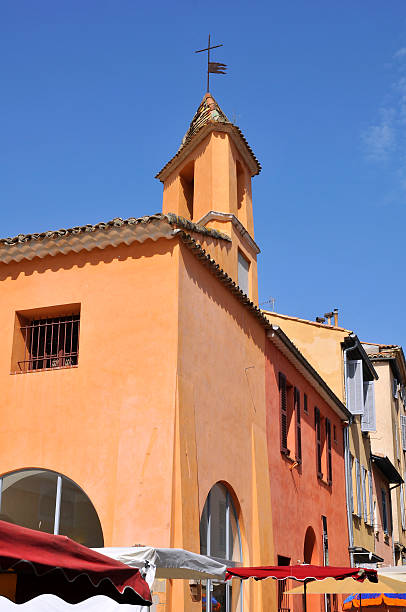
[
  {"x": 371, "y": 498},
  {"x": 384, "y": 513},
  {"x": 283, "y": 412},
  {"x": 402, "y": 506},
  {"x": 351, "y": 487},
  {"x": 355, "y": 389},
  {"x": 395, "y": 388},
  {"x": 364, "y": 493},
  {"x": 318, "y": 441},
  {"x": 368, "y": 419},
  {"x": 329, "y": 463},
  {"x": 395, "y": 425},
  {"x": 358, "y": 487},
  {"x": 403, "y": 427},
  {"x": 298, "y": 427}
]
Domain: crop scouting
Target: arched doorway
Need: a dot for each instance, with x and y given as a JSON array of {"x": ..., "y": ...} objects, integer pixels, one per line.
[
  {"x": 48, "y": 501},
  {"x": 220, "y": 537},
  {"x": 310, "y": 554}
]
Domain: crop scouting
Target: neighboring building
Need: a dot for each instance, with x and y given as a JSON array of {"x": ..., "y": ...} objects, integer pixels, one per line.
[
  {"x": 339, "y": 357},
  {"x": 141, "y": 384},
  {"x": 390, "y": 438},
  {"x": 308, "y": 474}
]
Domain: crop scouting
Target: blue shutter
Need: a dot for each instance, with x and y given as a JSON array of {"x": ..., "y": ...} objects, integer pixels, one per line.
[
  {"x": 355, "y": 387},
  {"x": 371, "y": 498},
  {"x": 364, "y": 493},
  {"x": 358, "y": 487},
  {"x": 368, "y": 419},
  {"x": 403, "y": 426}
]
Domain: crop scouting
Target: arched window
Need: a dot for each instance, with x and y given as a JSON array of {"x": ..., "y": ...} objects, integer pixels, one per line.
[
  {"x": 220, "y": 537},
  {"x": 48, "y": 501}
]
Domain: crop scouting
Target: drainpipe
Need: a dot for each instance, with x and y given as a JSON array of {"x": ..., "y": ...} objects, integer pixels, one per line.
[{"x": 347, "y": 464}]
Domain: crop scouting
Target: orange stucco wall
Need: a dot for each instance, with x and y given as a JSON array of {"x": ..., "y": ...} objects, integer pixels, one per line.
[{"x": 107, "y": 424}]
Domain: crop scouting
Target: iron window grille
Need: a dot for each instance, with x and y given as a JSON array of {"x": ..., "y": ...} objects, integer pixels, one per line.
[{"x": 50, "y": 343}]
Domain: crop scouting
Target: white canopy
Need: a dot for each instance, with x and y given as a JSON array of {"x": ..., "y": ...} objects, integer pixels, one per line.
[{"x": 169, "y": 562}]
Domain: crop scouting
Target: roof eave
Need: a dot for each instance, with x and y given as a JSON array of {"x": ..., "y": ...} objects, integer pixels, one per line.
[
  {"x": 206, "y": 129},
  {"x": 281, "y": 340}
]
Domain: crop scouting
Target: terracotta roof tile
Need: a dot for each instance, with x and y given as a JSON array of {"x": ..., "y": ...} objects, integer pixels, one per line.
[
  {"x": 170, "y": 218},
  {"x": 209, "y": 113}
]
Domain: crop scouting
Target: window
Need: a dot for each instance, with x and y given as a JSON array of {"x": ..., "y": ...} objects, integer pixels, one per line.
[
  {"x": 329, "y": 461},
  {"x": 403, "y": 430},
  {"x": 50, "y": 502},
  {"x": 368, "y": 418},
  {"x": 290, "y": 419},
  {"x": 298, "y": 426},
  {"x": 395, "y": 388},
  {"x": 243, "y": 269},
  {"x": 283, "y": 597},
  {"x": 46, "y": 342},
  {"x": 305, "y": 408},
  {"x": 402, "y": 506},
  {"x": 364, "y": 493},
  {"x": 220, "y": 537},
  {"x": 355, "y": 388},
  {"x": 371, "y": 498},
  {"x": 358, "y": 486},
  {"x": 318, "y": 442},
  {"x": 351, "y": 488},
  {"x": 384, "y": 513}
]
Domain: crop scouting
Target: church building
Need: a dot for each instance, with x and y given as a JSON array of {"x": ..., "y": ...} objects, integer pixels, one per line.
[{"x": 146, "y": 398}]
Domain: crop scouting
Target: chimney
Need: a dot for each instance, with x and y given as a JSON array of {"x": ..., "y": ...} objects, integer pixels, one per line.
[
  {"x": 320, "y": 320},
  {"x": 335, "y": 312},
  {"x": 328, "y": 315}
]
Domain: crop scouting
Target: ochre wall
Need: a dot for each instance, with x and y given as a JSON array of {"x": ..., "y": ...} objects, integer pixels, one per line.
[
  {"x": 109, "y": 423},
  {"x": 221, "y": 372}
]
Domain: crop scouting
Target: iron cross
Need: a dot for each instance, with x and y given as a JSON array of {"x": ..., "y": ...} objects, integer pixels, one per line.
[{"x": 212, "y": 67}]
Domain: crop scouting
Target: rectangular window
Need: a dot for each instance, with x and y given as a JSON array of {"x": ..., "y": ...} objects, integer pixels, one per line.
[
  {"x": 317, "y": 426},
  {"x": 358, "y": 486},
  {"x": 298, "y": 427},
  {"x": 384, "y": 513},
  {"x": 48, "y": 343},
  {"x": 305, "y": 409},
  {"x": 283, "y": 401},
  {"x": 325, "y": 541},
  {"x": 351, "y": 488},
  {"x": 403, "y": 430},
  {"x": 243, "y": 269},
  {"x": 368, "y": 418},
  {"x": 364, "y": 493},
  {"x": 371, "y": 498},
  {"x": 329, "y": 462},
  {"x": 395, "y": 388},
  {"x": 402, "y": 506},
  {"x": 355, "y": 387}
]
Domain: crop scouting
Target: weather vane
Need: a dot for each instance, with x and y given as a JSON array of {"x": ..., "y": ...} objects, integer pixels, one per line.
[{"x": 212, "y": 67}]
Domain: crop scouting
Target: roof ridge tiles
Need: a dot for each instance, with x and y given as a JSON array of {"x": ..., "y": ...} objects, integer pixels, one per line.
[{"x": 170, "y": 218}]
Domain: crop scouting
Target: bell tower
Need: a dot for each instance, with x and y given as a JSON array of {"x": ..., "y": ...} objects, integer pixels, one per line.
[{"x": 208, "y": 181}]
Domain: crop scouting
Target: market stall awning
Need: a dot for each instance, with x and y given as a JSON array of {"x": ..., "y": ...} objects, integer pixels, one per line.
[
  {"x": 54, "y": 564},
  {"x": 169, "y": 562},
  {"x": 346, "y": 586},
  {"x": 301, "y": 572},
  {"x": 360, "y": 600}
]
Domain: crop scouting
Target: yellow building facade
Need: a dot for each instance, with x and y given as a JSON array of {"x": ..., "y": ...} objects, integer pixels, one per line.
[{"x": 339, "y": 357}]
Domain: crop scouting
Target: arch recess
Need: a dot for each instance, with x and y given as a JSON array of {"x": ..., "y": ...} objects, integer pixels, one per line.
[
  {"x": 220, "y": 537},
  {"x": 51, "y": 502}
]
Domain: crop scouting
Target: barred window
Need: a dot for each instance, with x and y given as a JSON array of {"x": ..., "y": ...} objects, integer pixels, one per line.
[{"x": 50, "y": 343}]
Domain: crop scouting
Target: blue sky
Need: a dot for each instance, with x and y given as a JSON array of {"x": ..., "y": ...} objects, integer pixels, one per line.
[{"x": 97, "y": 94}]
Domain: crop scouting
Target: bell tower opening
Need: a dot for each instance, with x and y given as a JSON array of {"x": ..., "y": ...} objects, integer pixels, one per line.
[
  {"x": 240, "y": 184},
  {"x": 187, "y": 181}
]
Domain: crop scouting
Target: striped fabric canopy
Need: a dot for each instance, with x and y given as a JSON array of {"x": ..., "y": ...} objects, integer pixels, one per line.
[{"x": 375, "y": 599}]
